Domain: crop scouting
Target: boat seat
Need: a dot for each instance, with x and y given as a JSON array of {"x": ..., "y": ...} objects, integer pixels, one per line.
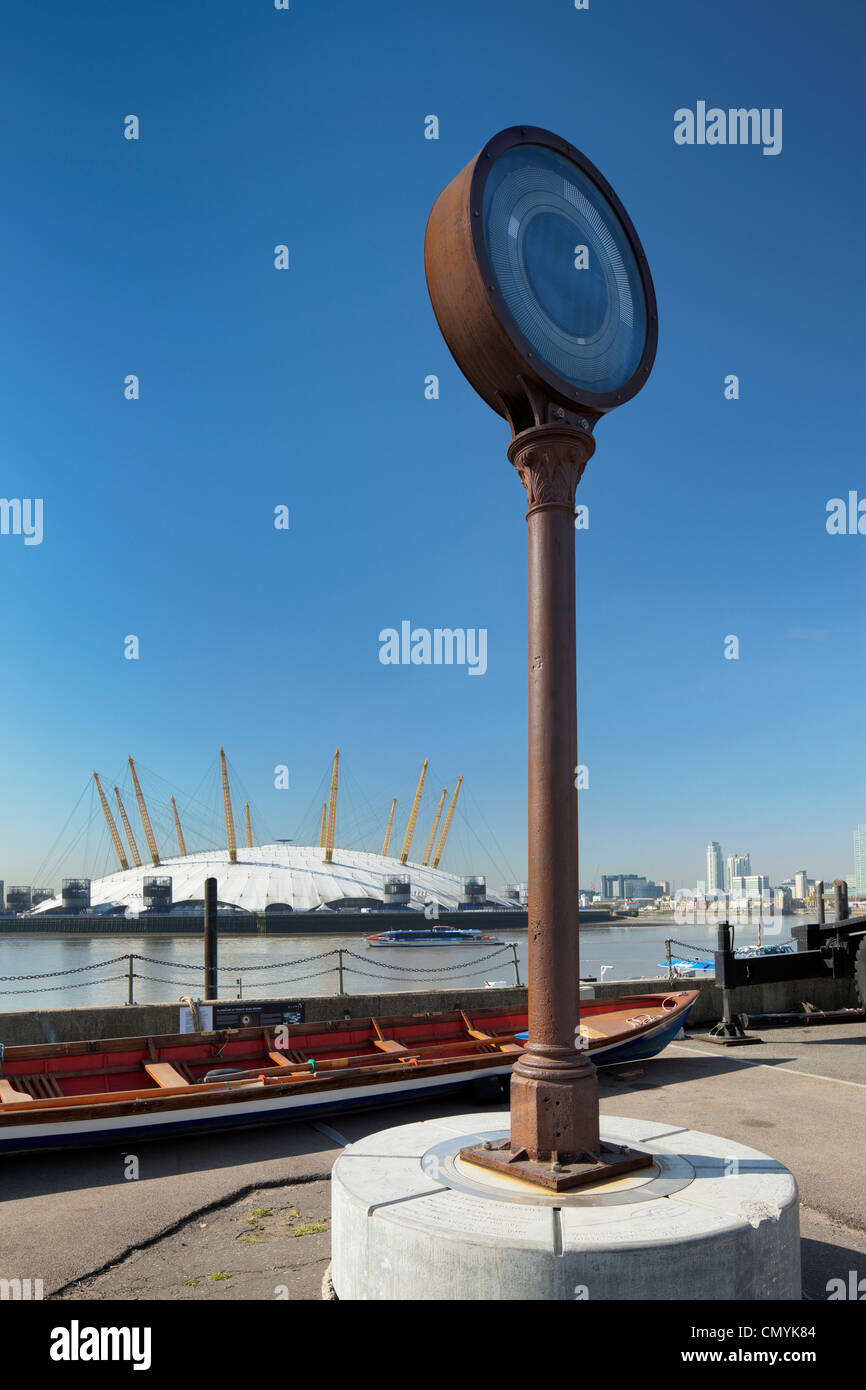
[
  {"x": 9, "y": 1096},
  {"x": 390, "y": 1045},
  {"x": 510, "y": 1047},
  {"x": 164, "y": 1074},
  {"x": 281, "y": 1059}
]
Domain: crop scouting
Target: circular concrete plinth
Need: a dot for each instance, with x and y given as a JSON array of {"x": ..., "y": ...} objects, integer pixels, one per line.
[{"x": 709, "y": 1220}]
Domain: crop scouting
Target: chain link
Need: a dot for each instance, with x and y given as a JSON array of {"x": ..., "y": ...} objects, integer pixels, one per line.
[
  {"x": 83, "y": 985},
  {"x": 422, "y": 970},
  {"x": 49, "y": 974}
]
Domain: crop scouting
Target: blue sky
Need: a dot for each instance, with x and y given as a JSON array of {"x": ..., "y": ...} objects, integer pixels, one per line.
[{"x": 306, "y": 388}]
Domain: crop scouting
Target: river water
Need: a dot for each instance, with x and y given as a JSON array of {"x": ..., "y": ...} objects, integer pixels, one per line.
[{"x": 292, "y": 967}]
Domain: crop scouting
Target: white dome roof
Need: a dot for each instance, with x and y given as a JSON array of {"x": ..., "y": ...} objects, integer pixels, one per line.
[{"x": 268, "y": 874}]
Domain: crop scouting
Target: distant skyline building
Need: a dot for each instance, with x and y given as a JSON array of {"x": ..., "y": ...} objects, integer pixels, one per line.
[
  {"x": 736, "y": 866},
  {"x": 860, "y": 858},
  {"x": 715, "y": 868},
  {"x": 801, "y": 884},
  {"x": 629, "y": 886},
  {"x": 749, "y": 885}
]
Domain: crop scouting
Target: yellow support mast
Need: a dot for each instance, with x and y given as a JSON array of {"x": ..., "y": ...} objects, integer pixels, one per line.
[
  {"x": 133, "y": 847},
  {"x": 413, "y": 816},
  {"x": 227, "y": 806},
  {"x": 332, "y": 810},
  {"x": 432, "y": 837},
  {"x": 249, "y": 827},
  {"x": 386, "y": 843},
  {"x": 145, "y": 818},
  {"x": 323, "y": 828},
  {"x": 112, "y": 828},
  {"x": 181, "y": 843},
  {"x": 447, "y": 826}
]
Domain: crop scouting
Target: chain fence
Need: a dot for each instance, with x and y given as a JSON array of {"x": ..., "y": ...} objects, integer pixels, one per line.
[
  {"x": 675, "y": 966},
  {"x": 341, "y": 964}
]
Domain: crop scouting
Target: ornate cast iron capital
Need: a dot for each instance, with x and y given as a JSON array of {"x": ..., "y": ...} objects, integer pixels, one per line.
[{"x": 550, "y": 460}]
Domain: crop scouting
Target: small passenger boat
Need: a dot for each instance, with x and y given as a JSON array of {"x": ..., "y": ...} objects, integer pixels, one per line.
[
  {"x": 432, "y": 936},
  {"x": 60, "y": 1095}
]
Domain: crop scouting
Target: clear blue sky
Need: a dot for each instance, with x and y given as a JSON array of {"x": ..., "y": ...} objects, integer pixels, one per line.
[{"x": 306, "y": 387}]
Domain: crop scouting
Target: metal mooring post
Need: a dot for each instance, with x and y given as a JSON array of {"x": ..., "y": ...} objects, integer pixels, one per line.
[
  {"x": 211, "y": 973},
  {"x": 340, "y": 968},
  {"x": 819, "y": 901},
  {"x": 840, "y": 894},
  {"x": 129, "y": 993},
  {"x": 724, "y": 945},
  {"x": 731, "y": 1031},
  {"x": 516, "y": 964}
]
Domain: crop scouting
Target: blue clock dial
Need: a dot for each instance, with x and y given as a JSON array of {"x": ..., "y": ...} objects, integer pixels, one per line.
[{"x": 565, "y": 268}]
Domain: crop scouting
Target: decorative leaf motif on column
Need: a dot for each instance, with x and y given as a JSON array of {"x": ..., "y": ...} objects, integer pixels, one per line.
[{"x": 550, "y": 468}]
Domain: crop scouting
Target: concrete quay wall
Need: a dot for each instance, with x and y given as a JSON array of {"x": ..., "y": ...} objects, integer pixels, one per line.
[{"x": 26, "y": 1026}]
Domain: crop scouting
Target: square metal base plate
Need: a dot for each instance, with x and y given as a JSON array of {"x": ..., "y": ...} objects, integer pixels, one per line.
[{"x": 612, "y": 1161}]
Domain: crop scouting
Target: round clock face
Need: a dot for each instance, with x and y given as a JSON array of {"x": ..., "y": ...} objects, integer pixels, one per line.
[{"x": 565, "y": 268}]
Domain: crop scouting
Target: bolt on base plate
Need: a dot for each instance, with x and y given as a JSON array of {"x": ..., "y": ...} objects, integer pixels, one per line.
[{"x": 611, "y": 1161}]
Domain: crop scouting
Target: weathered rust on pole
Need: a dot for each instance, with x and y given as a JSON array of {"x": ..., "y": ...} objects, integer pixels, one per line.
[
  {"x": 519, "y": 338},
  {"x": 211, "y": 974},
  {"x": 554, "y": 1089}
]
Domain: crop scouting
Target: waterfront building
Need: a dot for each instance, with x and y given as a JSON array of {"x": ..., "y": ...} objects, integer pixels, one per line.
[
  {"x": 801, "y": 885},
  {"x": 19, "y": 897},
  {"x": 749, "y": 885},
  {"x": 737, "y": 865},
  {"x": 860, "y": 859},
  {"x": 715, "y": 867}
]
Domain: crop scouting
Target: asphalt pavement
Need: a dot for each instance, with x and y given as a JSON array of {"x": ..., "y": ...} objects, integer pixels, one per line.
[{"x": 245, "y": 1215}]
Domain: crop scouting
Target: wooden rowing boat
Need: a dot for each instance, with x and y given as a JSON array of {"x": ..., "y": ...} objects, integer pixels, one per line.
[{"x": 58, "y": 1095}]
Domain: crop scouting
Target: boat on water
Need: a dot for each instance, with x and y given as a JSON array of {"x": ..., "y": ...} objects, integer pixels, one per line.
[
  {"x": 432, "y": 936},
  {"x": 115, "y": 1090},
  {"x": 684, "y": 969}
]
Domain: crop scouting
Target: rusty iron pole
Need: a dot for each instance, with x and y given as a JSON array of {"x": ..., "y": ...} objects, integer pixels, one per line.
[{"x": 554, "y": 1088}]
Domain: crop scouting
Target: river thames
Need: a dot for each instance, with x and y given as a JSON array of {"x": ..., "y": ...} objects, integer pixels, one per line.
[{"x": 305, "y": 965}]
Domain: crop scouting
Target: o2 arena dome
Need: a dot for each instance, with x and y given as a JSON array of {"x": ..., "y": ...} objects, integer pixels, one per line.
[
  {"x": 279, "y": 878},
  {"x": 273, "y": 878}
]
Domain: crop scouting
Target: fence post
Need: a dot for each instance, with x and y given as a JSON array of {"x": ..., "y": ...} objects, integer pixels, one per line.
[
  {"x": 130, "y": 997},
  {"x": 239, "y": 984},
  {"x": 819, "y": 901},
  {"x": 340, "y": 969},
  {"x": 670, "y": 960},
  {"x": 516, "y": 967},
  {"x": 211, "y": 972}
]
